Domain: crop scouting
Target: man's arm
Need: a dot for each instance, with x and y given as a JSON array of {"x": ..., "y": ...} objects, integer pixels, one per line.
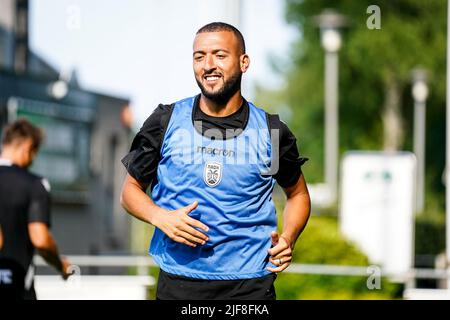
[
  {"x": 295, "y": 216},
  {"x": 39, "y": 227},
  {"x": 176, "y": 224},
  {"x": 142, "y": 163},
  {"x": 43, "y": 241},
  {"x": 296, "y": 212}
]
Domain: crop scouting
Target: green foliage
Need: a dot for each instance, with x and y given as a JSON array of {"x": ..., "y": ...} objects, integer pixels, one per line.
[
  {"x": 429, "y": 234},
  {"x": 321, "y": 287},
  {"x": 151, "y": 293},
  {"x": 321, "y": 243},
  {"x": 413, "y": 33}
]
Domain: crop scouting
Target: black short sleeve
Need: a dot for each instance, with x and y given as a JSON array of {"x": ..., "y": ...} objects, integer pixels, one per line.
[
  {"x": 142, "y": 160},
  {"x": 290, "y": 160},
  {"x": 39, "y": 208}
]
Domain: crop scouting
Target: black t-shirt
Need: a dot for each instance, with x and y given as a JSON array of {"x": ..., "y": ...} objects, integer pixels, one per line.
[
  {"x": 142, "y": 161},
  {"x": 23, "y": 199}
]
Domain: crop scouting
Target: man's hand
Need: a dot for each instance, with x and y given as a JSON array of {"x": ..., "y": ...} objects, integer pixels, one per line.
[
  {"x": 177, "y": 224},
  {"x": 280, "y": 253},
  {"x": 179, "y": 227}
]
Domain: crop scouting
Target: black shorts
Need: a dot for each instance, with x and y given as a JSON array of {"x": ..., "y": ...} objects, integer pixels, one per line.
[
  {"x": 174, "y": 287},
  {"x": 30, "y": 294}
]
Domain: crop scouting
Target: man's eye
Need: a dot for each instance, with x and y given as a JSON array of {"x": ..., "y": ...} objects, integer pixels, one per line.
[
  {"x": 220, "y": 56},
  {"x": 198, "y": 58}
]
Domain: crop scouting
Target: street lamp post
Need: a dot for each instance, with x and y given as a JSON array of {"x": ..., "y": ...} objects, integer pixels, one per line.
[
  {"x": 329, "y": 23},
  {"x": 420, "y": 94}
]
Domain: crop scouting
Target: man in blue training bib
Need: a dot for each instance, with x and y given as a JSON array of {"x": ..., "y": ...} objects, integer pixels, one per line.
[{"x": 211, "y": 162}]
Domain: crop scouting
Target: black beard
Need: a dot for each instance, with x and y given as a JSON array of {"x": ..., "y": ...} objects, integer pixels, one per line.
[{"x": 230, "y": 87}]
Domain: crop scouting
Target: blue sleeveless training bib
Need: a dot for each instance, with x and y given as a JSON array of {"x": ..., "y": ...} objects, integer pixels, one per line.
[{"x": 234, "y": 197}]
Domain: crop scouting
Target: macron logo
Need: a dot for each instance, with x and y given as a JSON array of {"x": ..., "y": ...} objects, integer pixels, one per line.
[{"x": 216, "y": 151}]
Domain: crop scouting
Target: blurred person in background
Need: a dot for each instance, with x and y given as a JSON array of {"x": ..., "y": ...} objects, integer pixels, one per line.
[
  {"x": 216, "y": 225},
  {"x": 25, "y": 207}
]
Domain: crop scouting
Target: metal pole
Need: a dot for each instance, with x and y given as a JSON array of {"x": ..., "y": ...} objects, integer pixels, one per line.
[
  {"x": 419, "y": 150},
  {"x": 331, "y": 122},
  {"x": 447, "y": 157}
]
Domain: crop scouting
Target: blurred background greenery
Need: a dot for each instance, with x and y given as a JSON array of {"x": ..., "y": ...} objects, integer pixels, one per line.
[
  {"x": 374, "y": 89},
  {"x": 374, "y": 77},
  {"x": 322, "y": 243}
]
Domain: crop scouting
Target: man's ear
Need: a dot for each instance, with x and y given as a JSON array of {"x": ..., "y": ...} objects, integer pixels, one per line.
[
  {"x": 244, "y": 62},
  {"x": 26, "y": 149}
]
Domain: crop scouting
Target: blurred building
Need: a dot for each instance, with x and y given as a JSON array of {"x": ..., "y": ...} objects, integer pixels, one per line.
[{"x": 86, "y": 134}]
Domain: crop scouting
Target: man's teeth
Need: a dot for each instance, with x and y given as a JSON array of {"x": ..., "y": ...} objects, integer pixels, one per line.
[{"x": 212, "y": 78}]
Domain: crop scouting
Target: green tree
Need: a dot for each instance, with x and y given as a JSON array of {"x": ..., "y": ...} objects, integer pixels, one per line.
[{"x": 376, "y": 108}]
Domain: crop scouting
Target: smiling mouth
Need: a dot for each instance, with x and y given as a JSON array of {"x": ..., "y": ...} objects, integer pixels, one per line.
[{"x": 211, "y": 78}]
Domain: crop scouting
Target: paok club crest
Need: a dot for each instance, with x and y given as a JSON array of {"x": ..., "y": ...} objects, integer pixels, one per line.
[{"x": 212, "y": 174}]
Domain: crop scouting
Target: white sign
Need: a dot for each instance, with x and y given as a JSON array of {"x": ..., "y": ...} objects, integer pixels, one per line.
[{"x": 377, "y": 206}]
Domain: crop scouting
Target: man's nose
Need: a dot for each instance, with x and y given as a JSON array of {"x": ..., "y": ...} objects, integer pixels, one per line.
[{"x": 209, "y": 63}]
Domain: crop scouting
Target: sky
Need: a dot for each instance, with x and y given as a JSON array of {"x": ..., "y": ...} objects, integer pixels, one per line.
[{"x": 142, "y": 49}]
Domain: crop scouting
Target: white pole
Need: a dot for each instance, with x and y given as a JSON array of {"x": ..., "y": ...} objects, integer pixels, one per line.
[
  {"x": 419, "y": 150},
  {"x": 447, "y": 158}
]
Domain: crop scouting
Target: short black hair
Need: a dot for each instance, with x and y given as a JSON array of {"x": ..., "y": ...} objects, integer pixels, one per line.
[{"x": 222, "y": 26}]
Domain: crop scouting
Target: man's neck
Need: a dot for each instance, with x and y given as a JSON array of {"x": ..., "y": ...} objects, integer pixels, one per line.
[
  {"x": 8, "y": 157},
  {"x": 214, "y": 109}
]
